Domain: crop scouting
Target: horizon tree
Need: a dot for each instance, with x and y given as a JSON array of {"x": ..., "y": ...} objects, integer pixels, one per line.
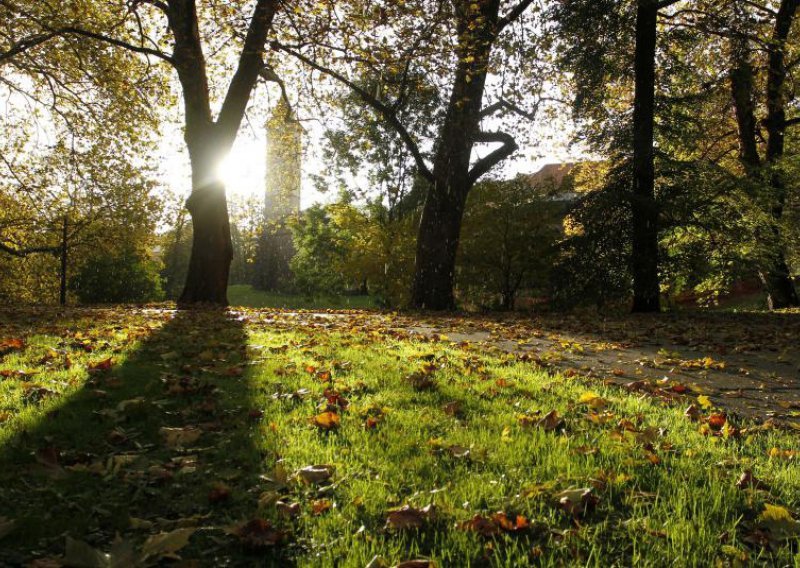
[{"x": 458, "y": 44}]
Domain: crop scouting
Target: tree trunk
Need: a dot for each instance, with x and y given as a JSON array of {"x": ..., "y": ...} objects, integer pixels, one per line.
[
  {"x": 442, "y": 214},
  {"x": 781, "y": 292},
  {"x": 780, "y": 288},
  {"x": 741, "y": 78},
  {"x": 437, "y": 246},
  {"x": 212, "y": 249},
  {"x": 62, "y": 300},
  {"x": 644, "y": 264}
]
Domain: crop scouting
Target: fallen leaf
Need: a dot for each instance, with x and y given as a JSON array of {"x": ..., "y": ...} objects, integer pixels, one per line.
[
  {"x": 327, "y": 421},
  {"x": 164, "y": 544},
  {"x": 408, "y": 517},
  {"x": 258, "y": 534},
  {"x": 179, "y": 437},
  {"x": 779, "y": 522},
  {"x": 577, "y": 502},
  {"x": 550, "y": 421},
  {"x": 592, "y": 399},
  {"x": 320, "y": 506},
  {"x": 748, "y": 480},
  {"x": 316, "y": 473}
]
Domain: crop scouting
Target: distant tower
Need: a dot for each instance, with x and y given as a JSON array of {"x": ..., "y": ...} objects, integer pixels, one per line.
[
  {"x": 281, "y": 200},
  {"x": 284, "y": 165}
]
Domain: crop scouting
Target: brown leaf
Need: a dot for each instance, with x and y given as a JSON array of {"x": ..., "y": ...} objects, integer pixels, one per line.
[
  {"x": 98, "y": 366},
  {"x": 408, "y": 517},
  {"x": 748, "y": 480},
  {"x": 320, "y": 506},
  {"x": 219, "y": 492},
  {"x": 693, "y": 413},
  {"x": 179, "y": 437},
  {"x": 258, "y": 534},
  {"x": 288, "y": 510},
  {"x": 550, "y": 421},
  {"x": 453, "y": 408},
  {"x": 577, "y": 502},
  {"x": 717, "y": 421},
  {"x": 48, "y": 457},
  {"x": 315, "y": 473}
]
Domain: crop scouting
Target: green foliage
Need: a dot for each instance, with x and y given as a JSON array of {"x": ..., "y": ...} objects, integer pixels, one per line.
[
  {"x": 593, "y": 266},
  {"x": 344, "y": 248},
  {"x": 123, "y": 276},
  {"x": 320, "y": 246},
  {"x": 507, "y": 240}
]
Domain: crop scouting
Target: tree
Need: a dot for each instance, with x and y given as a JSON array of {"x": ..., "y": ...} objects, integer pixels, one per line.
[
  {"x": 135, "y": 27},
  {"x": 462, "y": 35},
  {"x": 758, "y": 37},
  {"x": 776, "y": 276},
  {"x": 122, "y": 276},
  {"x": 510, "y": 232}
]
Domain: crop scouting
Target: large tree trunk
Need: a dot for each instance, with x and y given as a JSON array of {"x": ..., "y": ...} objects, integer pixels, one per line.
[
  {"x": 780, "y": 288},
  {"x": 644, "y": 262},
  {"x": 437, "y": 246},
  {"x": 440, "y": 224},
  {"x": 210, "y": 141},
  {"x": 212, "y": 250}
]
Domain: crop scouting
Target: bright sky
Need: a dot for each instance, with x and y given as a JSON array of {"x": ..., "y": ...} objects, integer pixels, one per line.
[{"x": 244, "y": 170}]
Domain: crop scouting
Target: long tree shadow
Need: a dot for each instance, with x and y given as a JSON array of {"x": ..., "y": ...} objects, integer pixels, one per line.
[{"x": 158, "y": 442}]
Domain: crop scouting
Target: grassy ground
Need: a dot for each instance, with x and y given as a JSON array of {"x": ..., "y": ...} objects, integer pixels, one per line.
[
  {"x": 267, "y": 439},
  {"x": 248, "y": 297}
]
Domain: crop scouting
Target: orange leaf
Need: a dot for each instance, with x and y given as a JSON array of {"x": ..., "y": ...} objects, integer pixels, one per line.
[{"x": 327, "y": 420}]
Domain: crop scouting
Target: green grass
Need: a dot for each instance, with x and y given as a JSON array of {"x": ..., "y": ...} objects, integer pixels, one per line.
[
  {"x": 85, "y": 458},
  {"x": 246, "y": 296}
]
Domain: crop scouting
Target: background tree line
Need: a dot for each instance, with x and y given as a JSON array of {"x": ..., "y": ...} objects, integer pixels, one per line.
[{"x": 685, "y": 110}]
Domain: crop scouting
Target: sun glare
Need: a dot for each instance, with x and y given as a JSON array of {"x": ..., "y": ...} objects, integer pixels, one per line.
[{"x": 242, "y": 171}]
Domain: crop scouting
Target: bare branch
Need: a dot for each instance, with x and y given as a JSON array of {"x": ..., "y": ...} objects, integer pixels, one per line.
[
  {"x": 119, "y": 43},
  {"x": 383, "y": 109}
]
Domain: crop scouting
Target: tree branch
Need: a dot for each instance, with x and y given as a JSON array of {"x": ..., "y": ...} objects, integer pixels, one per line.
[
  {"x": 384, "y": 110},
  {"x": 22, "y": 253},
  {"x": 119, "y": 43},
  {"x": 26, "y": 44},
  {"x": 251, "y": 64},
  {"x": 486, "y": 163},
  {"x": 513, "y": 14}
]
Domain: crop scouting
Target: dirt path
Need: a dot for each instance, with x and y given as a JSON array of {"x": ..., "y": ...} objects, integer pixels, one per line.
[{"x": 748, "y": 364}]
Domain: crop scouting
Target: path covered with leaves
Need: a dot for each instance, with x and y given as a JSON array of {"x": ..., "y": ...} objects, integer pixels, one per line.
[{"x": 146, "y": 437}]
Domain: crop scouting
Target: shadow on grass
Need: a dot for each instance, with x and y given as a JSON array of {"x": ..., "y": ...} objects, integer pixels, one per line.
[{"x": 158, "y": 442}]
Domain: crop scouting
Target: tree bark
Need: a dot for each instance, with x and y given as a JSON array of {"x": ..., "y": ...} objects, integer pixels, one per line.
[
  {"x": 62, "y": 296},
  {"x": 210, "y": 141},
  {"x": 644, "y": 262},
  {"x": 781, "y": 292},
  {"x": 437, "y": 246},
  {"x": 742, "y": 89},
  {"x": 442, "y": 214}
]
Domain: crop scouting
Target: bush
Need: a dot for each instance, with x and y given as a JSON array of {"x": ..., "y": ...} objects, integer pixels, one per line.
[{"x": 120, "y": 277}]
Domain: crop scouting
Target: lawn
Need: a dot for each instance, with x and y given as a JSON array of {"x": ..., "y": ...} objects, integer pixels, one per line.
[
  {"x": 132, "y": 437},
  {"x": 246, "y": 296}
]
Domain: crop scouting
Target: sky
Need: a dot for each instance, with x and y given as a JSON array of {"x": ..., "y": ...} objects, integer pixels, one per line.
[{"x": 244, "y": 170}]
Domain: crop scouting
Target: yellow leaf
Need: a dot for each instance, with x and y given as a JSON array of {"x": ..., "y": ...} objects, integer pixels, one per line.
[
  {"x": 704, "y": 401},
  {"x": 592, "y": 399}
]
